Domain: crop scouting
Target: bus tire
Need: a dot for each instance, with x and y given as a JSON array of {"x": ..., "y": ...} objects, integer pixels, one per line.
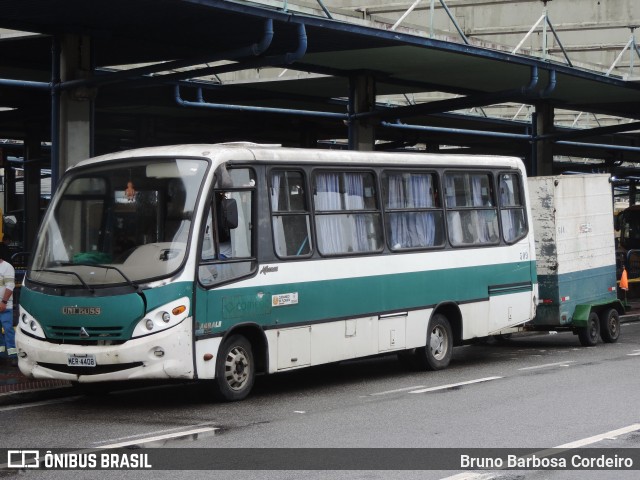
[
  {"x": 588, "y": 335},
  {"x": 235, "y": 369},
  {"x": 610, "y": 329},
  {"x": 437, "y": 353}
]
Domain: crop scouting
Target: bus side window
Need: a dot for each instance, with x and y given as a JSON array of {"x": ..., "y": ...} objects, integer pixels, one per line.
[
  {"x": 472, "y": 217},
  {"x": 512, "y": 211},
  {"x": 290, "y": 214},
  {"x": 414, "y": 214},
  {"x": 347, "y": 215},
  {"x": 227, "y": 234}
]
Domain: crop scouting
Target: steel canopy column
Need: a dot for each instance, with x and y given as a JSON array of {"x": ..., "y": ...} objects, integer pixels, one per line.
[
  {"x": 75, "y": 103},
  {"x": 544, "y": 152},
  {"x": 362, "y": 98},
  {"x": 31, "y": 178}
]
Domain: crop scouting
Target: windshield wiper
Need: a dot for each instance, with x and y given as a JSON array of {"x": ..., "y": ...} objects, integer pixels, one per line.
[
  {"x": 110, "y": 267},
  {"x": 65, "y": 272}
]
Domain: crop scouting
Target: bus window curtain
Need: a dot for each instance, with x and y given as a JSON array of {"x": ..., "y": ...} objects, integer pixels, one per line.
[
  {"x": 354, "y": 200},
  {"x": 411, "y": 229},
  {"x": 507, "y": 198},
  {"x": 278, "y": 226},
  {"x": 327, "y": 198},
  {"x": 480, "y": 219},
  {"x": 423, "y": 228},
  {"x": 454, "y": 222}
]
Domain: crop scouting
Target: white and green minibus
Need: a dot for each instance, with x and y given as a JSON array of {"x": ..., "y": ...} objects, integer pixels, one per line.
[{"x": 220, "y": 262}]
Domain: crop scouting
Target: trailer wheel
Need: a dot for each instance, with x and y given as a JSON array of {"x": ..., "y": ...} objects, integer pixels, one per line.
[
  {"x": 436, "y": 355},
  {"x": 235, "y": 369},
  {"x": 589, "y": 335},
  {"x": 610, "y": 330}
]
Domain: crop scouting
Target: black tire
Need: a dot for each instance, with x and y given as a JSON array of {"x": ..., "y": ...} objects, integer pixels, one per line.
[
  {"x": 610, "y": 328},
  {"x": 235, "y": 369},
  {"x": 589, "y": 335},
  {"x": 437, "y": 353}
]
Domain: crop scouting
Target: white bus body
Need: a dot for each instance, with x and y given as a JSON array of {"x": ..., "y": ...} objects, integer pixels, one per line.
[{"x": 223, "y": 261}]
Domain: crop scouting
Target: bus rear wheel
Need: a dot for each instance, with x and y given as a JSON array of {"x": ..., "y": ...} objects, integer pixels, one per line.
[
  {"x": 610, "y": 329},
  {"x": 588, "y": 335},
  {"x": 235, "y": 369},
  {"x": 436, "y": 354}
]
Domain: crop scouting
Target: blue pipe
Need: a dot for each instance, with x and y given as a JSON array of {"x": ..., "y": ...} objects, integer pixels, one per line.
[
  {"x": 284, "y": 59},
  {"x": 200, "y": 103},
  {"x": 619, "y": 148},
  {"x": 254, "y": 49},
  {"x": 551, "y": 86},
  {"x": 482, "y": 133},
  {"x": 24, "y": 83}
]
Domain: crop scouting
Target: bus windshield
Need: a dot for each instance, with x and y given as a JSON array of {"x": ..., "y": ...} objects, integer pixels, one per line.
[{"x": 118, "y": 223}]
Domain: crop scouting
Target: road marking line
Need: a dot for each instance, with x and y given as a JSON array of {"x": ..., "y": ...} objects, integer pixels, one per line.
[
  {"x": 635, "y": 354},
  {"x": 557, "y": 364},
  {"x": 397, "y": 390},
  {"x": 158, "y": 438},
  {"x": 453, "y": 385},
  {"x": 597, "y": 438},
  {"x": 545, "y": 453},
  {"x": 38, "y": 404},
  {"x": 156, "y": 432}
]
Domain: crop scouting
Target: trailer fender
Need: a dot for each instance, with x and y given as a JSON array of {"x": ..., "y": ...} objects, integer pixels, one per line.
[
  {"x": 581, "y": 315},
  {"x": 582, "y": 312}
]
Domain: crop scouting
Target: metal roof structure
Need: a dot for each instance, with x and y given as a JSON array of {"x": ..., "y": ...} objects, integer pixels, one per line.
[{"x": 143, "y": 106}]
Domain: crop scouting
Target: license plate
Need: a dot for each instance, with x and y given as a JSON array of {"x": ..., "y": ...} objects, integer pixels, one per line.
[{"x": 81, "y": 360}]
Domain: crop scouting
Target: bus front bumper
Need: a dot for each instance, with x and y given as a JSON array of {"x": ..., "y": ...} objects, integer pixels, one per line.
[{"x": 163, "y": 355}]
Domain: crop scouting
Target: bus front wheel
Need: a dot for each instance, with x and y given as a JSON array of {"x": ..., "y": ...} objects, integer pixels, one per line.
[
  {"x": 588, "y": 335},
  {"x": 436, "y": 355},
  {"x": 235, "y": 369}
]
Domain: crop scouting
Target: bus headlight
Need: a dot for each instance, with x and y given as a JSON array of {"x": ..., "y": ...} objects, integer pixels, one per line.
[
  {"x": 162, "y": 318},
  {"x": 30, "y": 325}
]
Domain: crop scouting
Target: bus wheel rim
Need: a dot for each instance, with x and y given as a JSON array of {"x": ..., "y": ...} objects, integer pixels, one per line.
[
  {"x": 237, "y": 368},
  {"x": 438, "y": 343}
]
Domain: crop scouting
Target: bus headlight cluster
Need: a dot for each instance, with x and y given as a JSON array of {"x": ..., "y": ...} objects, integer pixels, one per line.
[
  {"x": 162, "y": 318},
  {"x": 30, "y": 325}
]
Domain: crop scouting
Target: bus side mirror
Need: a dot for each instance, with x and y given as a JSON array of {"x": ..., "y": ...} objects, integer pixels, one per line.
[{"x": 229, "y": 210}]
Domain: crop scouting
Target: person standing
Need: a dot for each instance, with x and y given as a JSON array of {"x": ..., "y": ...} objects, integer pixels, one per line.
[{"x": 7, "y": 285}]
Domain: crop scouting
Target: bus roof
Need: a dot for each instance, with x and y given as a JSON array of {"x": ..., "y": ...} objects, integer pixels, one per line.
[{"x": 246, "y": 151}]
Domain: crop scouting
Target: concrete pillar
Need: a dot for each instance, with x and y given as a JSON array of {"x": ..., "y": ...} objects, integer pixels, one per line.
[
  {"x": 76, "y": 105},
  {"x": 362, "y": 98},
  {"x": 543, "y": 119}
]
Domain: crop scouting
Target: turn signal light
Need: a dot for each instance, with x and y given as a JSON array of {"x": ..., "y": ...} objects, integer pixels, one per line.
[{"x": 179, "y": 310}]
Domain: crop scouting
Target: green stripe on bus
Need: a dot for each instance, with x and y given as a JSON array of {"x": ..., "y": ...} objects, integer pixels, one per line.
[{"x": 361, "y": 296}]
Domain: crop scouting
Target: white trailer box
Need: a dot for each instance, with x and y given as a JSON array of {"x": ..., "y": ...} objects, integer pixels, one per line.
[{"x": 575, "y": 256}]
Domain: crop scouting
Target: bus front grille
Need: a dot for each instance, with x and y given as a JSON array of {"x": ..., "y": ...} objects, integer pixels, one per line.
[{"x": 85, "y": 335}]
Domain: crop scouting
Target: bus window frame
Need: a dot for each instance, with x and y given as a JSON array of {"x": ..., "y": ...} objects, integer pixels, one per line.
[
  {"x": 438, "y": 208},
  {"x": 308, "y": 213},
  {"x": 494, "y": 207},
  {"x": 376, "y": 211},
  {"x": 209, "y": 208},
  {"x": 522, "y": 206}
]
